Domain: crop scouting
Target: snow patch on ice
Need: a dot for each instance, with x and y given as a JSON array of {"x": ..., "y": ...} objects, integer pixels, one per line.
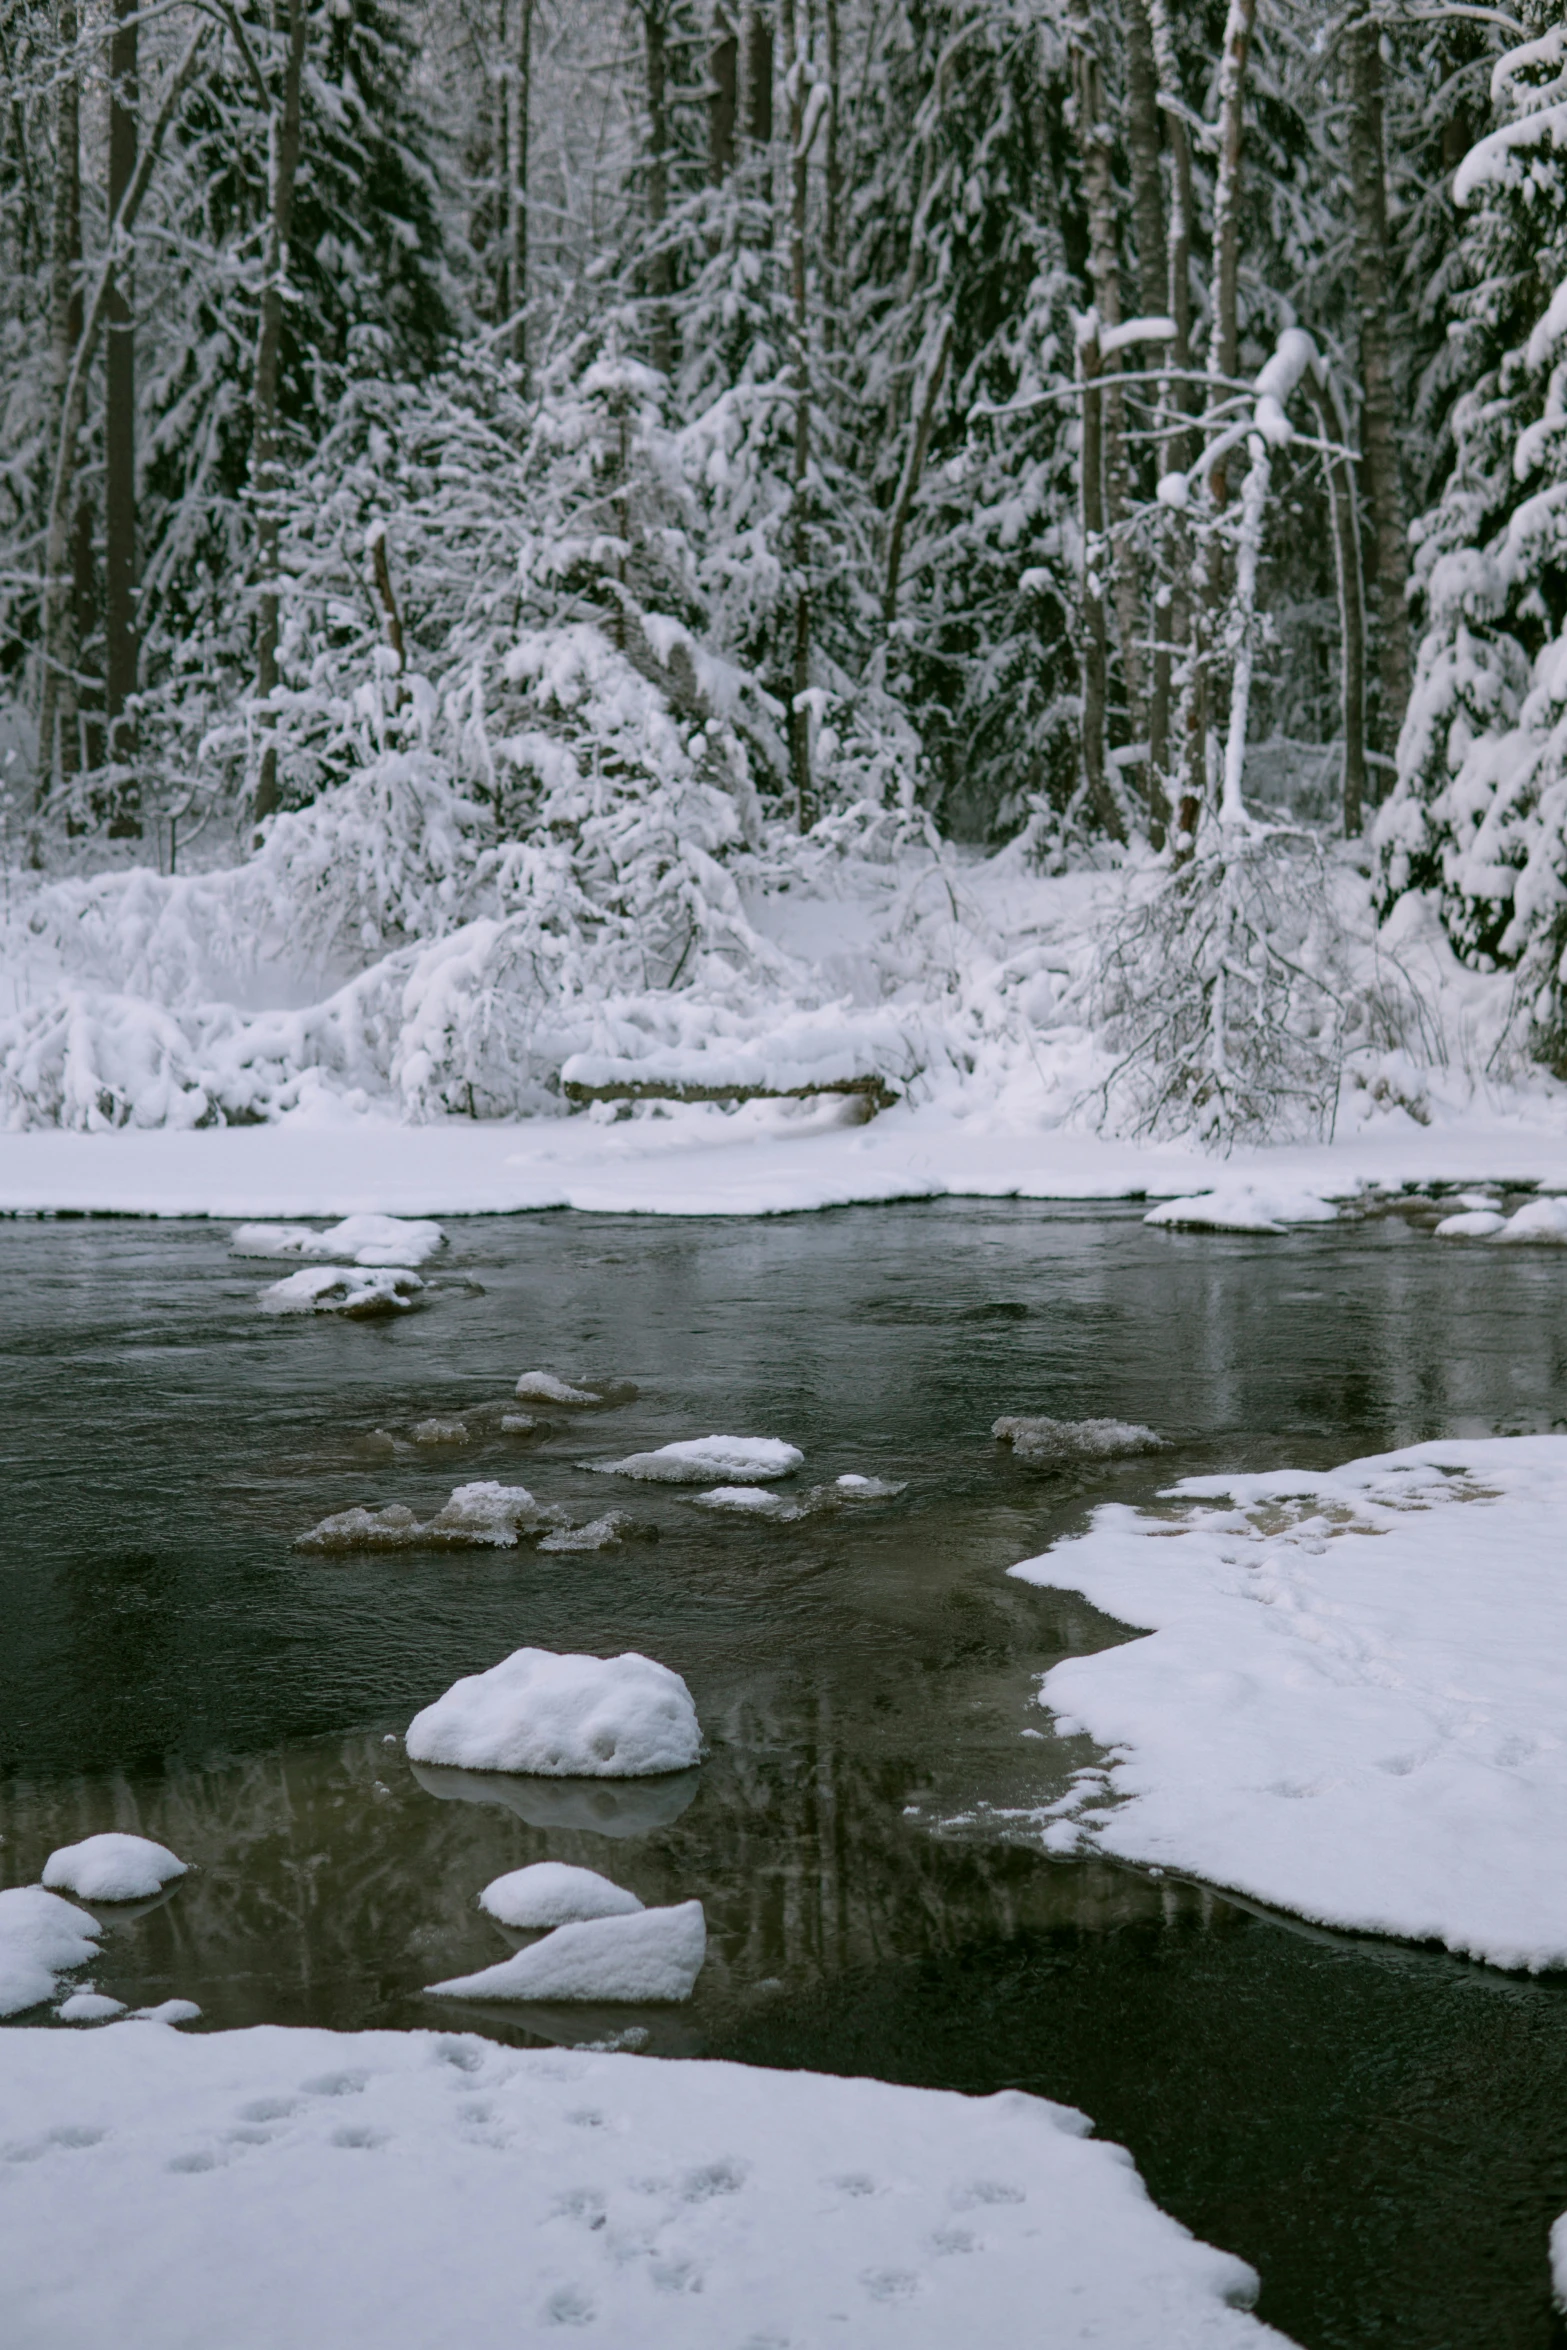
[
  {"x": 41, "y": 1938},
  {"x": 549, "y": 1893},
  {"x": 679, "y": 2205},
  {"x": 563, "y": 1717},
  {"x": 696, "y": 1458},
  {"x": 112, "y": 1867},
  {"x": 1239, "y": 1205},
  {"x": 1351, "y": 1697},
  {"x": 357, "y": 1291}
]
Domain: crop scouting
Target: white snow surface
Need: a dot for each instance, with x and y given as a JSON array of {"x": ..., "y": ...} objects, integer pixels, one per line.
[
  {"x": 1353, "y": 1699},
  {"x": 41, "y": 1938},
  {"x": 353, "y": 1290},
  {"x": 112, "y": 1867},
  {"x": 1241, "y": 1204},
  {"x": 89, "y": 2007},
  {"x": 1472, "y": 1224},
  {"x": 651, "y": 1955},
  {"x": 592, "y": 1717},
  {"x": 550, "y": 1893},
  {"x": 1537, "y": 1219},
  {"x": 424, "y": 2191},
  {"x": 359, "y": 1240},
  {"x": 696, "y": 1458}
]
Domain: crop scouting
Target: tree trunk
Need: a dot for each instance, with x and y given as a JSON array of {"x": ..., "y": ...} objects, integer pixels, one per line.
[
  {"x": 1094, "y": 142},
  {"x": 519, "y": 92},
  {"x": 1172, "y": 619},
  {"x": 1096, "y": 787},
  {"x": 119, "y": 432},
  {"x": 1389, "y": 565},
  {"x": 265, "y": 469},
  {"x": 57, "y": 734},
  {"x": 926, "y": 397},
  {"x": 1352, "y": 621},
  {"x": 723, "y": 98},
  {"x": 832, "y": 174},
  {"x": 1153, "y": 275},
  {"x": 660, "y": 277},
  {"x": 1224, "y": 346},
  {"x": 796, "y": 86},
  {"x": 758, "y": 75}
]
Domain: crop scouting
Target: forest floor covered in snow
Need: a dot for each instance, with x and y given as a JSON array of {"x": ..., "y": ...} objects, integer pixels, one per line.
[{"x": 241, "y": 1042}]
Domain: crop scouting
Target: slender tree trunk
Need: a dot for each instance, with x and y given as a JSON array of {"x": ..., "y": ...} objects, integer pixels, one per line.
[
  {"x": 265, "y": 467},
  {"x": 57, "y": 732},
  {"x": 1389, "y": 565},
  {"x": 519, "y": 92},
  {"x": 1173, "y": 618},
  {"x": 1224, "y": 347},
  {"x": 1352, "y": 620},
  {"x": 723, "y": 98},
  {"x": 832, "y": 175},
  {"x": 660, "y": 276},
  {"x": 119, "y": 434},
  {"x": 1153, "y": 275},
  {"x": 1096, "y": 787},
  {"x": 758, "y": 75},
  {"x": 926, "y": 397},
  {"x": 1094, "y": 142},
  {"x": 796, "y": 86}
]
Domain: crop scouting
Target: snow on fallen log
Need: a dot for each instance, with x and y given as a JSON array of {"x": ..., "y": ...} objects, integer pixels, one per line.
[
  {"x": 797, "y": 1058},
  {"x": 674, "y": 2205},
  {"x": 1350, "y": 1699},
  {"x": 590, "y": 1717}
]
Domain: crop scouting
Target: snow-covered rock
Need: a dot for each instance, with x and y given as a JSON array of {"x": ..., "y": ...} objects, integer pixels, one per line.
[
  {"x": 112, "y": 1867},
  {"x": 481, "y": 1516},
  {"x": 360, "y": 1240},
  {"x": 605, "y": 1533},
  {"x": 89, "y": 2007},
  {"x": 754, "y": 1459},
  {"x": 402, "y": 2190},
  {"x": 1537, "y": 1219},
  {"x": 1239, "y": 1205},
  {"x": 1351, "y": 1699},
  {"x": 439, "y": 1432},
  {"x": 574, "y": 1394},
  {"x": 755, "y": 1501},
  {"x": 1053, "y": 1442},
  {"x": 1472, "y": 1224},
  {"x": 549, "y": 1893},
  {"x": 355, "y": 1290},
  {"x": 745, "y": 1501},
  {"x": 591, "y": 1717},
  {"x": 655, "y": 1954},
  {"x": 41, "y": 1937}
]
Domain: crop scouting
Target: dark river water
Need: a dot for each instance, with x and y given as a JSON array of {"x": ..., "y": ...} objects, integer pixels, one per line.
[{"x": 1382, "y": 2131}]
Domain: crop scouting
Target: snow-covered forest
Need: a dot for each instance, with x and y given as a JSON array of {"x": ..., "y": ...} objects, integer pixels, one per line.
[{"x": 999, "y": 547}]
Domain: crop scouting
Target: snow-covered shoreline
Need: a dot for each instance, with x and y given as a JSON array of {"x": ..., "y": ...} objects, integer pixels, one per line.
[{"x": 699, "y": 1162}]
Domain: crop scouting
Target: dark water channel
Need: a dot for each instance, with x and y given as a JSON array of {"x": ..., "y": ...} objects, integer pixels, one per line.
[{"x": 1381, "y": 2131}]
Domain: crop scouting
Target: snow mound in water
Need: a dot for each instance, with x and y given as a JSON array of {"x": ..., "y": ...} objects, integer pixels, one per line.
[
  {"x": 1351, "y": 1696},
  {"x": 480, "y": 1516},
  {"x": 809, "y": 2209},
  {"x": 1473, "y": 1224},
  {"x": 89, "y": 2007},
  {"x": 362, "y": 1240},
  {"x": 41, "y": 1937},
  {"x": 655, "y": 1955},
  {"x": 746, "y": 1501},
  {"x": 354, "y": 1290},
  {"x": 855, "y": 1488},
  {"x": 1537, "y": 1219},
  {"x": 619, "y": 1717},
  {"x": 1237, "y": 1205},
  {"x": 605, "y": 1533},
  {"x": 112, "y": 1867},
  {"x": 1052, "y": 1442},
  {"x": 693, "y": 1461},
  {"x": 551, "y": 1894},
  {"x": 579, "y": 1394},
  {"x": 755, "y": 1501},
  {"x": 439, "y": 1432}
]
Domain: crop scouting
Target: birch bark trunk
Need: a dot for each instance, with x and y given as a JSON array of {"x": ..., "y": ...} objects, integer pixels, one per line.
[{"x": 119, "y": 431}]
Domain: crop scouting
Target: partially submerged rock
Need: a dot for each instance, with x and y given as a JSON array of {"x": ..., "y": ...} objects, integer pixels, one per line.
[
  {"x": 579, "y": 1394},
  {"x": 1045, "y": 1443},
  {"x": 352, "y": 1290},
  {"x": 112, "y": 1867},
  {"x": 754, "y": 1459}
]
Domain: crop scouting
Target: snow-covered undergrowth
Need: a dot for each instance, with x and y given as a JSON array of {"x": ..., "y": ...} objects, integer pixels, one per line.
[
  {"x": 401, "y": 2189},
  {"x": 1352, "y": 1696},
  {"x": 412, "y": 944}
]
